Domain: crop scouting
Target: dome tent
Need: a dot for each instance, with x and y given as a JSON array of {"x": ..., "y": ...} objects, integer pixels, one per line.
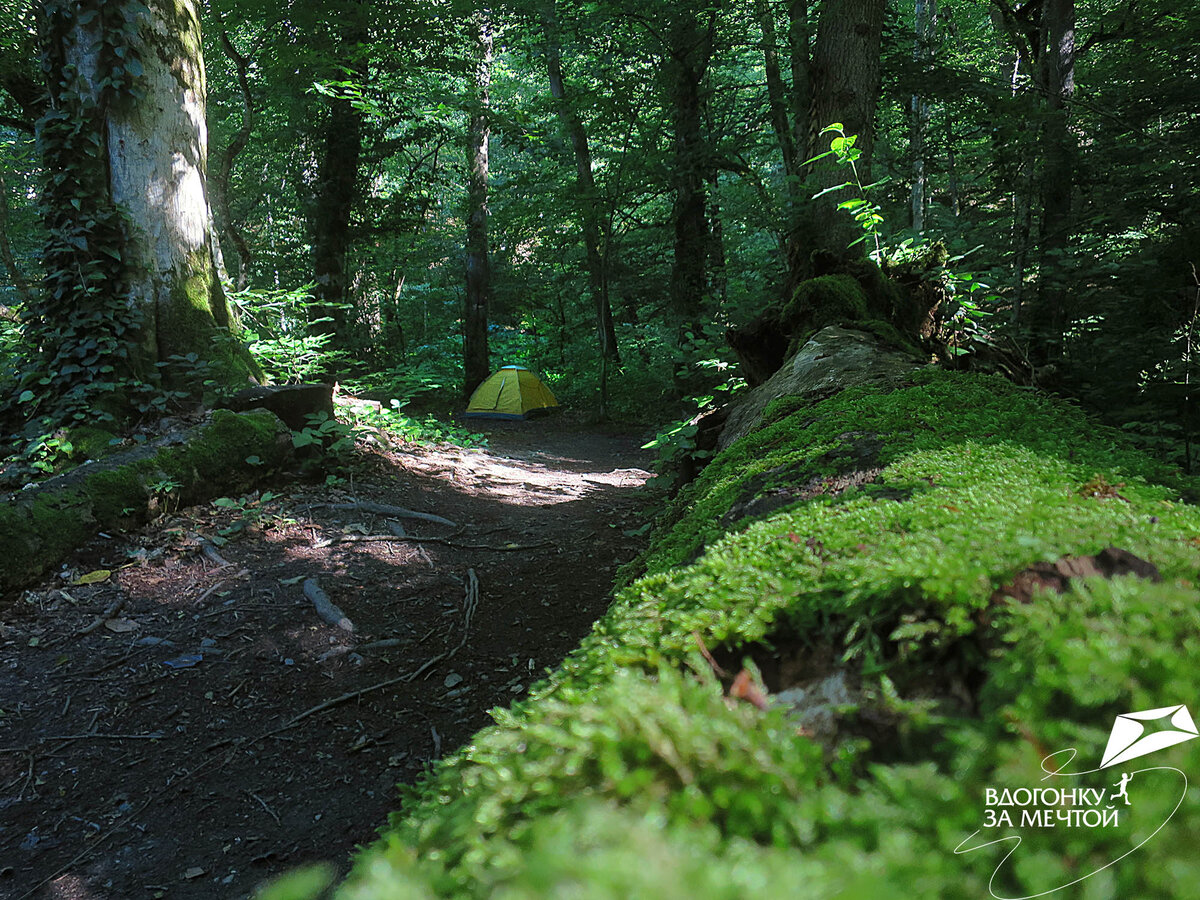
[{"x": 511, "y": 392}]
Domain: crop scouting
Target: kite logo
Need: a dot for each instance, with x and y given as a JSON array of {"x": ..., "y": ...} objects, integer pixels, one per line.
[
  {"x": 1011, "y": 815},
  {"x": 1129, "y": 739}
]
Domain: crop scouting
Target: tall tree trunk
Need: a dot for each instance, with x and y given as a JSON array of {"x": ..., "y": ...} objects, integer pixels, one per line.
[
  {"x": 789, "y": 109},
  {"x": 476, "y": 366},
  {"x": 125, "y": 144},
  {"x": 689, "y": 53},
  {"x": 1058, "y": 174},
  {"x": 846, "y": 73},
  {"x": 585, "y": 182},
  {"x": 11, "y": 269},
  {"x": 222, "y": 183},
  {"x": 925, "y": 27},
  {"x": 337, "y": 186},
  {"x": 842, "y": 79},
  {"x": 781, "y": 110}
]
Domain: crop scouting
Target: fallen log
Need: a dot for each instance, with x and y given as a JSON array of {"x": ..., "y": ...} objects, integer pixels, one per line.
[{"x": 39, "y": 526}]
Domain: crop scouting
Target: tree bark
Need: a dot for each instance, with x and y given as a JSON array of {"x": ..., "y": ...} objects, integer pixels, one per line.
[
  {"x": 846, "y": 74},
  {"x": 222, "y": 185},
  {"x": 925, "y": 27},
  {"x": 689, "y": 51},
  {"x": 130, "y": 253},
  {"x": 841, "y": 80},
  {"x": 1058, "y": 174},
  {"x": 586, "y": 184},
  {"x": 337, "y": 187},
  {"x": 6, "y": 255},
  {"x": 476, "y": 362}
]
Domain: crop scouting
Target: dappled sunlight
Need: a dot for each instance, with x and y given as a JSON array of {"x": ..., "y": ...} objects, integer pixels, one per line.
[
  {"x": 535, "y": 478},
  {"x": 71, "y": 887}
]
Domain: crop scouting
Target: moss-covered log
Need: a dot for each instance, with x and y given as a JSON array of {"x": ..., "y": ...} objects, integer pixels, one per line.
[
  {"x": 886, "y": 563},
  {"x": 41, "y": 525}
]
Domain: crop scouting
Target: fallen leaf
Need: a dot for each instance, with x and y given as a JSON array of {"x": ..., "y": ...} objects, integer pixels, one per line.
[
  {"x": 193, "y": 872},
  {"x": 93, "y": 577},
  {"x": 744, "y": 688},
  {"x": 121, "y": 626}
]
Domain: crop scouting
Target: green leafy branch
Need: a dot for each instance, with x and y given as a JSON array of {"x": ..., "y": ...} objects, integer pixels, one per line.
[{"x": 868, "y": 215}]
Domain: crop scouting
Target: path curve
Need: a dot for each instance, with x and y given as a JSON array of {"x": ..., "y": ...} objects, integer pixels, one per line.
[{"x": 122, "y": 776}]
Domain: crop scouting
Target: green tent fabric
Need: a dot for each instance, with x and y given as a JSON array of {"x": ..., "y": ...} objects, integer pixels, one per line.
[{"x": 512, "y": 392}]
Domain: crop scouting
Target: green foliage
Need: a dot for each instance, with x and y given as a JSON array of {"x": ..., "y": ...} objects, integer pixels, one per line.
[
  {"x": 80, "y": 327},
  {"x": 278, "y": 326},
  {"x": 868, "y": 215},
  {"x": 251, "y": 508},
  {"x": 325, "y": 433},
  {"x": 676, "y": 440},
  {"x": 372, "y": 420}
]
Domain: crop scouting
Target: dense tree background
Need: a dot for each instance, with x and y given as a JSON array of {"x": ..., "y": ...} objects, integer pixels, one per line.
[{"x": 647, "y": 186}]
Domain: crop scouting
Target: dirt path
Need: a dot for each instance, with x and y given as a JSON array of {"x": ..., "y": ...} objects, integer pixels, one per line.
[{"x": 138, "y": 760}]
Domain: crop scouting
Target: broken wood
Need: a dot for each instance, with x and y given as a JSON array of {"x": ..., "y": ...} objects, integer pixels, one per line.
[
  {"x": 209, "y": 549},
  {"x": 109, "y": 611},
  {"x": 325, "y": 607},
  {"x": 470, "y": 604}
]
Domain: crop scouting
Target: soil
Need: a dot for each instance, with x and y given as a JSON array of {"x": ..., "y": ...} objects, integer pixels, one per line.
[{"x": 183, "y": 728}]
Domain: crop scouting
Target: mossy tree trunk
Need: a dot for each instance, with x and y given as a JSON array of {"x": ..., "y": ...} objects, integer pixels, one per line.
[{"x": 125, "y": 144}]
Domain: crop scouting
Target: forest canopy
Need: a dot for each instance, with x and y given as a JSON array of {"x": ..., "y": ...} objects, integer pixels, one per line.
[{"x": 403, "y": 196}]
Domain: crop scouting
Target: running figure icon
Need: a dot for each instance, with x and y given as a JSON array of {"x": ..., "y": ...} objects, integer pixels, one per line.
[{"x": 1123, "y": 786}]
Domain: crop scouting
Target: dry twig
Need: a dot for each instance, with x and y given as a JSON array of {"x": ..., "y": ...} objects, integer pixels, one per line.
[{"x": 325, "y": 607}]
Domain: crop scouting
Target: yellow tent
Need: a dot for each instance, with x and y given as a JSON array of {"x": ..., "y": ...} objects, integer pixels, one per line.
[{"x": 510, "y": 393}]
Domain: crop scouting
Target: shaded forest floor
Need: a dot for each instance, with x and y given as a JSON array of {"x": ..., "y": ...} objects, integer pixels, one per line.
[{"x": 187, "y": 729}]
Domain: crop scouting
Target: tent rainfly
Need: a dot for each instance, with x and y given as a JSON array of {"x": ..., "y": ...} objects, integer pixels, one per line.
[{"x": 511, "y": 392}]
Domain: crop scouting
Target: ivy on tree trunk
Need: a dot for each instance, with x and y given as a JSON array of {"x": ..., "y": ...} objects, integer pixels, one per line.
[{"x": 130, "y": 281}]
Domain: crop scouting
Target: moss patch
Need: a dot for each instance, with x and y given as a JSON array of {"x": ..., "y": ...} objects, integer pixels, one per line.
[
  {"x": 40, "y": 526},
  {"x": 629, "y": 773}
]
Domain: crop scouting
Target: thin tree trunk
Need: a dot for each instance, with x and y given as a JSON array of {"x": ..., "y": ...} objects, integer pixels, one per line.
[
  {"x": 689, "y": 54},
  {"x": 1058, "y": 173},
  {"x": 337, "y": 189},
  {"x": 952, "y": 170},
  {"x": 586, "y": 185},
  {"x": 788, "y": 108},
  {"x": 222, "y": 183},
  {"x": 799, "y": 34},
  {"x": 6, "y": 255},
  {"x": 476, "y": 366},
  {"x": 780, "y": 108},
  {"x": 925, "y": 27}
]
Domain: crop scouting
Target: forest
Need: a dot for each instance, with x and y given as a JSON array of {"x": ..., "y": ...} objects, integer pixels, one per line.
[{"x": 969, "y": 231}]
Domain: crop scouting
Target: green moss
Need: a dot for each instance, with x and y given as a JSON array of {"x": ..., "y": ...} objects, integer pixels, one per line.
[
  {"x": 90, "y": 442},
  {"x": 827, "y": 300},
  {"x": 631, "y": 732},
  {"x": 40, "y": 527}
]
